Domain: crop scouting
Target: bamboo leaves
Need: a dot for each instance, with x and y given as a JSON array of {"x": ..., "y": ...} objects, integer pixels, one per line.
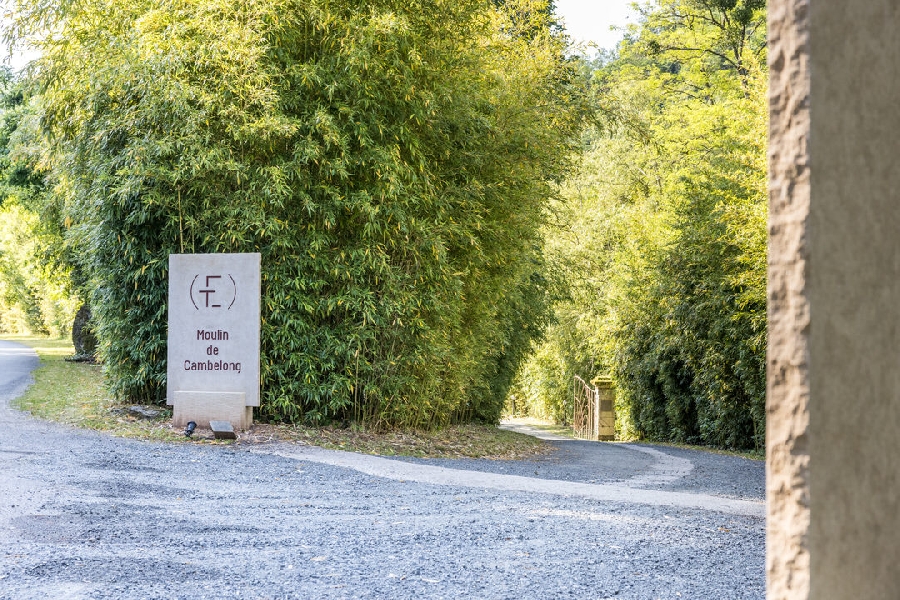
[
  {"x": 660, "y": 250},
  {"x": 389, "y": 160}
]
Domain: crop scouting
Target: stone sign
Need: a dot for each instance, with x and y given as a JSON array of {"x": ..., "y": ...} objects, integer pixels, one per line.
[{"x": 213, "y": 351}]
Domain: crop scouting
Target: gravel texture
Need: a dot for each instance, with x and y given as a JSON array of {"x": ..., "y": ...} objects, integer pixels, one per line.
[
  {"x": 85, "y": 515},
  {"x": 612, "y": 462}
]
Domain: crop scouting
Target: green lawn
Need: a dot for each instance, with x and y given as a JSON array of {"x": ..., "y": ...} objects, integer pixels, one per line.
[{"x": 74, "y": 394}]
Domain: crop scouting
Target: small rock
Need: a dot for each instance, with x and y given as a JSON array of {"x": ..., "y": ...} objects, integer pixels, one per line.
[
  {"x": 143, "y": 412},
  {"x": 222, "y": 430}
]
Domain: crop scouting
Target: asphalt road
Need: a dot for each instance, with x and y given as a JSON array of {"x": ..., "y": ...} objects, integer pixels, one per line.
[
  {"x": 16, "y": 363},
  {"x": 85, "y": 515}
]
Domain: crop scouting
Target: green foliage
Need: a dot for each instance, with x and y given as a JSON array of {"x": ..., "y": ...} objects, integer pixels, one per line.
[
  {"x": 390, "y": 160},
  {"x": 36, "y": 292},
  {"x": 662, "y": 239}
]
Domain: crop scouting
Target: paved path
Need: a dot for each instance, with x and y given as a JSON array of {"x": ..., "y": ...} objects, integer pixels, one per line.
[
  {"x": 84, "y": 515},
  {"x": 438, "y": 475},
  {"x": 16, "y": 363},
  {"x": 17, "y": 492}
]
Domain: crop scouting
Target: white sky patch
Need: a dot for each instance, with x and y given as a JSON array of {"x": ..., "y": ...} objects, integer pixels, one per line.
[
  {"x": 591, "y": 20},
  {"x": 20, "y": 57}
]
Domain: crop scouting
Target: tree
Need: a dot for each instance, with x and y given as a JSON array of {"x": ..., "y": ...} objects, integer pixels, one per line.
[
  {"x": 390, "y": 160},
  {"x": 36, "y": 289},
  {"x": 662, "y": 238}
]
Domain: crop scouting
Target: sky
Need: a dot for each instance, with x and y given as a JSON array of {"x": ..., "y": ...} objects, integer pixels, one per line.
[{"x": 590, "y": 20}]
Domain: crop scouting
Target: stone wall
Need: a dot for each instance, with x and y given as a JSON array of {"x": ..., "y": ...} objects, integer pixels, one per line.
[
  {"x": 854, "y": 295},
  {"x": 787, "y": 395},
  {"x": 833, "y": 405}
]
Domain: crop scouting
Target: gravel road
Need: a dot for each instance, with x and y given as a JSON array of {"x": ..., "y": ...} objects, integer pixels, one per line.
[{"x": 85, "y": 515}]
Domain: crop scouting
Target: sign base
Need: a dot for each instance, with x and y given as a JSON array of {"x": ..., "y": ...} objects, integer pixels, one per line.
[{"x": 203, "y": 407}]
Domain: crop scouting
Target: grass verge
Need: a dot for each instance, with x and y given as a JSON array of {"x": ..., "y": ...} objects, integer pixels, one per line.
[
  {"x": 456, "y": 441},
  {"x": 74, "y": 394}
]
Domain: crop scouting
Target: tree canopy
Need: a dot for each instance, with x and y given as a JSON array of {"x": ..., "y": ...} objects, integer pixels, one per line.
[
  {"x": 449, "y": 208},
  {"x": 36, "y": 286},
  {"x": 660, "y": 244},
  {"x": 390, "y": 160}
]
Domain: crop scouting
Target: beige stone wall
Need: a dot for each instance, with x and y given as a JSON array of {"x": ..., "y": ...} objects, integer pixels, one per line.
[
  {"x": 854, "y": 294},
  {"x": 787, "y": 397},
  {"x": 833, "y": 426}
]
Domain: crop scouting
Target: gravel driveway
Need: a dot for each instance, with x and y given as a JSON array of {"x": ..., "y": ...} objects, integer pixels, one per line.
[{"x": 85, "y": 515}]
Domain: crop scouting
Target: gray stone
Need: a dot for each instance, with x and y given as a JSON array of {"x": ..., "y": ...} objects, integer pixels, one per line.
[
  {"x": 202, "y": 407},
  {"x": 213, "y": 344},
  {"x": 143, "y": 412},
  {"x": 222, "y": 430}
]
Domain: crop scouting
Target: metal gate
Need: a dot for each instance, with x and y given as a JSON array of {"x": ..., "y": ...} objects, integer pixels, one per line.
[{"x": 594, "y": 415}]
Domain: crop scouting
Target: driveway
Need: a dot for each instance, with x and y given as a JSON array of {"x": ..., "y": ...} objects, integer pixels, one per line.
[{"x": 86, "y": 515}]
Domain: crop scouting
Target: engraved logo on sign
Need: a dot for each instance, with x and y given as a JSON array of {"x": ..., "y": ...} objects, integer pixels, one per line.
[{"x": 213, "y": 292}]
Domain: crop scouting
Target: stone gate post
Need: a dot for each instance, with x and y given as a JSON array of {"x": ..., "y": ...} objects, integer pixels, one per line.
[{"x": 833, "y": 398}]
